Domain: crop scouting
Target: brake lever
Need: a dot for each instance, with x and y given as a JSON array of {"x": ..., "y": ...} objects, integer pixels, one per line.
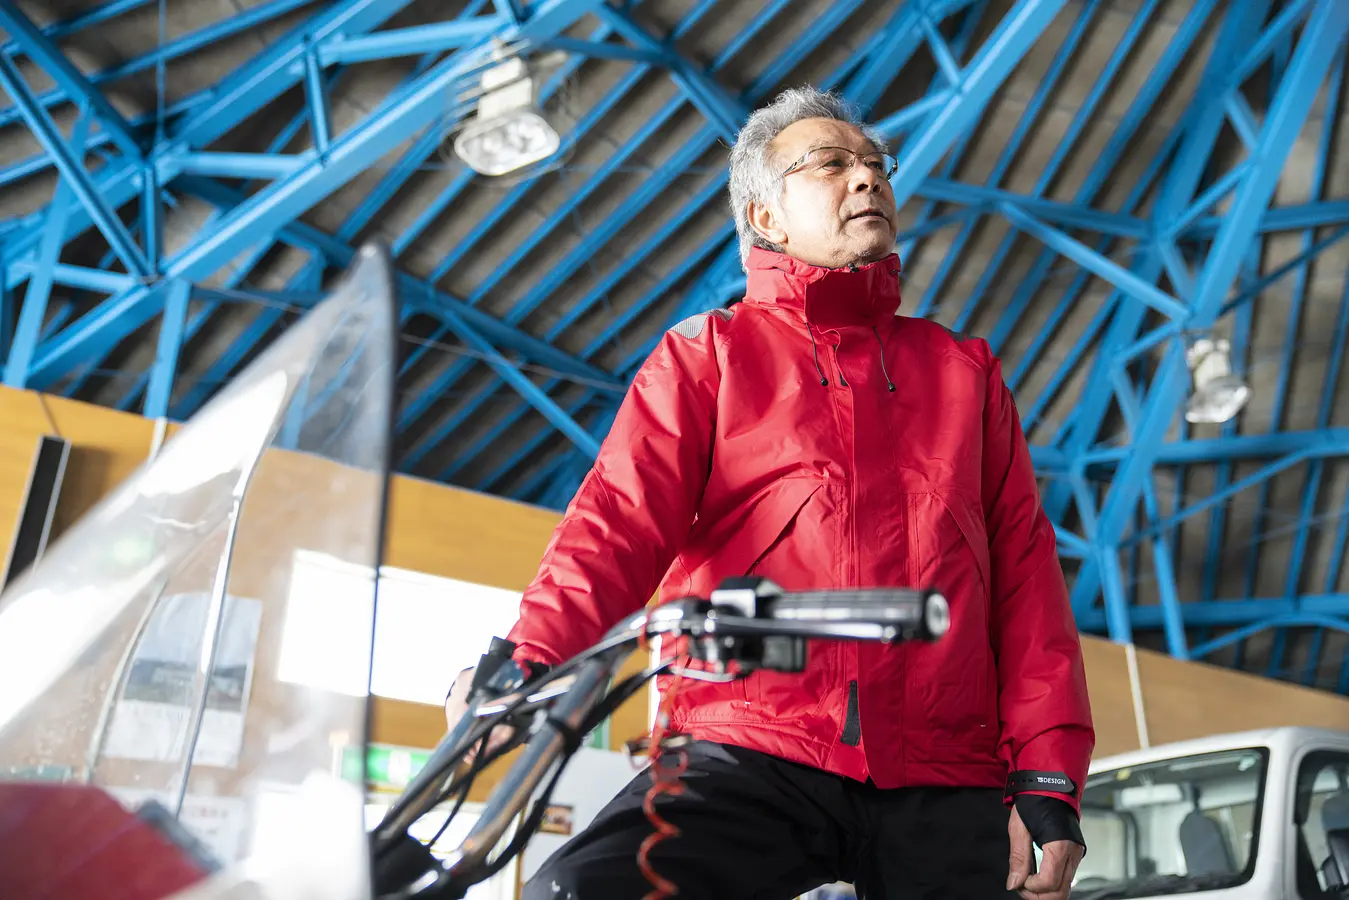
[
  {"x": 551, "y": 690},
  {"x": 705, "y": 675}
]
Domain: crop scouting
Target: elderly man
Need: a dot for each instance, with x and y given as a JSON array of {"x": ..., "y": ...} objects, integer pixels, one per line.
[{"x": 813, "y": 436}]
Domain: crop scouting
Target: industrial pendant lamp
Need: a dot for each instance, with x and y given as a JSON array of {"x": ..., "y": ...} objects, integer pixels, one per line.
[
  {"x": 1217, "y": 395},
  {"x": 509, "y": 131}
]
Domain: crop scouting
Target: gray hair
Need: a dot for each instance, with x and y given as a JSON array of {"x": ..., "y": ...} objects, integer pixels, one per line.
[{"x": 754, "y": 174}]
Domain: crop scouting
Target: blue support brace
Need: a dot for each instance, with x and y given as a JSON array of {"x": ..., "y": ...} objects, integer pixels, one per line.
[
  {"x": 406, "y": 112},
  {"x": 170, "y": 342},
  {"x": 1326, "y": 28},
  {"x": 29, "y": 328},
  {"x": 41, "y": 50},
  {"x": 72, "y": 169},
  {"x": 1015, "y": 35},
  {"x": 248, "y": 20}
]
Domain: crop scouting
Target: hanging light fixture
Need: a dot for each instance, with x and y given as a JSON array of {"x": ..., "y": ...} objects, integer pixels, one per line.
[
  {"x": 509, "y": 131},
  {"x": 1218, "y": 395}
]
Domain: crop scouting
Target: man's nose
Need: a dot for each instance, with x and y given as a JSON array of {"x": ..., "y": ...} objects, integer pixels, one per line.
[{"x": 864, "y": 179}]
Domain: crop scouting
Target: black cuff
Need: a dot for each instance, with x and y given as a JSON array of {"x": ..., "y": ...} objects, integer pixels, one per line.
[
  {"x": 1049, "y": 819},
  {"x": 1043, "y": 782}
]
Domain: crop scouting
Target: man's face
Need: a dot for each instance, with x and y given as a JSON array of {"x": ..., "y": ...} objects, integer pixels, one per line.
[{"x": 829, "y": 215}]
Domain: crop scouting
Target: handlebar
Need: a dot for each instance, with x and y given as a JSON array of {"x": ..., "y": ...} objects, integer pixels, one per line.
[{"x": 748, "y": 622}]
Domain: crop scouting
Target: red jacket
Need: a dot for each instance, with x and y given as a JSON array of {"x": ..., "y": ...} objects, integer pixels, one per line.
[{"x": 767, "y": 440}]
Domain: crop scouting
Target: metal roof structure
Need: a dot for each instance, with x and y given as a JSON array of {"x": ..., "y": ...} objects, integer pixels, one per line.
[{"x": 1089, "y": 184}]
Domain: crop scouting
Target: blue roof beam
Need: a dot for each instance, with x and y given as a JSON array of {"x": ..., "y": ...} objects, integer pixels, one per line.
[
  {"x": 1317, "y": 443},
  {"x": 1312, "y": 483},
  {"x": 1145, "y": 98},
  {"x": 723, "y": 110},
  {"x": 532, "y": 393},
  {"x": 168, "y": 347},
  {"x": 72, "y": 170},
  {"x": 81, "y": 277},
  {"x": 436, "y": 37},
  {"x": 1193, "y": 142},
  {"x": 252, "y": 166},
  {"x": 594, "y": 49},
  {"x": 29, "y": 329},
  {"x": 1035, "y": 108},
  {"x": 1072, "y": 215},
  {"x": 84, "y": 20},
  {"x": 1089, "y": 259},
  {"x": 185, "y": 45},
  {"x": 42, "y": 51},
  {"x": 421, "y": 295},
  {"x": 317, "y": 85},
  {"x": 511, "y": 10},
  {"x": 1227, "y": 613},
  {"x": 234, "y": 99},
  {"x": 316, "y": 100},
  {"x": 276, "y": 69},
  {"x": 401, "y": 115},
  {"x": 978, "y": 82},
  {"x": 1320, "y": 40}
]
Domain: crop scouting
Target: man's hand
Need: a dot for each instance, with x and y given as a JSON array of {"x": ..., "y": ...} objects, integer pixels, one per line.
[
  {"x": 1058, "y": 865},
  {"x": 456, "y": 705}
]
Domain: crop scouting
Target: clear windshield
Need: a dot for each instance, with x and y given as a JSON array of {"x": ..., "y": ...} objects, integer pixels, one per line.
[
  {"x": 1172, "y": 826},
  {"x": 154, "y": 715}
]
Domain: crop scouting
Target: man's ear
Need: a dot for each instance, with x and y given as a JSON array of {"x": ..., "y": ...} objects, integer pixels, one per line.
[{"x": 764, "y": 221}]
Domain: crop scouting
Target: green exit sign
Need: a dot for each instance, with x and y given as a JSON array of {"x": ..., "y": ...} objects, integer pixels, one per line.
[
  {"x": 36, "y": 773},
  {"x": 387, "y": 766}
]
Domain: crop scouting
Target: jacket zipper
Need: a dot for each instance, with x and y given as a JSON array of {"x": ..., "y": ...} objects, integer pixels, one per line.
[{"x": 852, "y": 724}]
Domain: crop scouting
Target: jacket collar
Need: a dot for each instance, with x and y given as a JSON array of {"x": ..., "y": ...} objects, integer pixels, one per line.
[{"x": 827, "y": 298}]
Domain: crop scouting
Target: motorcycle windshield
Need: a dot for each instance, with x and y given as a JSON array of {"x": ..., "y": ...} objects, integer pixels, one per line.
[{"x": 160, "y": 715}]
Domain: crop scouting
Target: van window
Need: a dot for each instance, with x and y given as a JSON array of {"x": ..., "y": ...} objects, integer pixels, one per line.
[
  {"x": 1171, "y": 827},
  {"x": 1321, "y": 808}
]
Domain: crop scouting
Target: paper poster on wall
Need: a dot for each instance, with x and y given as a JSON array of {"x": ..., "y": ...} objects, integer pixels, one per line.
[
  {"x": 557, "y": 819},
  {"x": 150, "y": 720},
  {"x": 219, "y": 822}
]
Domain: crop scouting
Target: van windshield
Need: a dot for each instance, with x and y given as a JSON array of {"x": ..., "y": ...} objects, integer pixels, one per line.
[{"x": 1173, "y": 826}]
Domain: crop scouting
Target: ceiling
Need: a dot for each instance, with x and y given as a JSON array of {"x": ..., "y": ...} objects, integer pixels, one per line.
[{"x": 1089, "y": 184}]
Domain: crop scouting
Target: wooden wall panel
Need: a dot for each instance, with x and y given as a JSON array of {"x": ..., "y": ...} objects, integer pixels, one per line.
[
  {"x": 107, "y": 446},
  {"x": 459, "y": 534},
  {"x": 1188, "y": 700},
  {"x": 1111, "y": 698}
]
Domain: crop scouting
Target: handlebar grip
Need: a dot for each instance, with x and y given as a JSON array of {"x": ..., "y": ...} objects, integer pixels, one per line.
[{"x": 924, "y": 613}]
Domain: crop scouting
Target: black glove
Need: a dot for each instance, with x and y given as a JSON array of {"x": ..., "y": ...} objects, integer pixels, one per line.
[{"x": 1049, "y": 819}]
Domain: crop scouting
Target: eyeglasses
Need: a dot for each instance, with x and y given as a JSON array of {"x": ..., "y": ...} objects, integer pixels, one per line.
[{"x": 835, "y": 161}]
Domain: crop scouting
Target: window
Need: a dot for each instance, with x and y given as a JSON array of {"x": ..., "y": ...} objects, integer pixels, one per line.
[
  {"x": 427, "y": 629},
  {"x": 1320, "y": 809},
  {"x": 1173, "y": 826}
]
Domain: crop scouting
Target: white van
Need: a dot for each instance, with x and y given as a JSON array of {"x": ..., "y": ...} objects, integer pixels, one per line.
[{"x": 1258, "y": 814}]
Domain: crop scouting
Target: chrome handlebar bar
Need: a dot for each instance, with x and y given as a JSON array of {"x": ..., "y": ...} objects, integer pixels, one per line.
[{"x": 749, "y": 621}]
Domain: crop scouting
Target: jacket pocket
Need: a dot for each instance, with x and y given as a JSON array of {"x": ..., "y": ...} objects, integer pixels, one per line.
[
  {"x": 740, "y": 543},
  {"x": 955, "y": 677},
  {"x": 760, "y": 539}
]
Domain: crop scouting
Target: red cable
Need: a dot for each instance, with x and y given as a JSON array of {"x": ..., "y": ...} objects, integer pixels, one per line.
[{"x": 664, "y": 780}]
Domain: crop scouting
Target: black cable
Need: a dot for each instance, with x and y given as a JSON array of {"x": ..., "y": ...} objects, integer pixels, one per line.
[
  {"x": 473, "y": 770},
  {"x": 527, "y": 689},
  {"x": 616, "y": 697}
]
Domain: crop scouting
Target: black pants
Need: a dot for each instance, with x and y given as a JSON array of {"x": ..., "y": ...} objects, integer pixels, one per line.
[{"x": 758, "y": 828}]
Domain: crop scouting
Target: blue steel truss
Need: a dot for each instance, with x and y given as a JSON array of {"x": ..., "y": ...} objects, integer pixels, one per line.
[{"x": 1150, "y": 258}]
